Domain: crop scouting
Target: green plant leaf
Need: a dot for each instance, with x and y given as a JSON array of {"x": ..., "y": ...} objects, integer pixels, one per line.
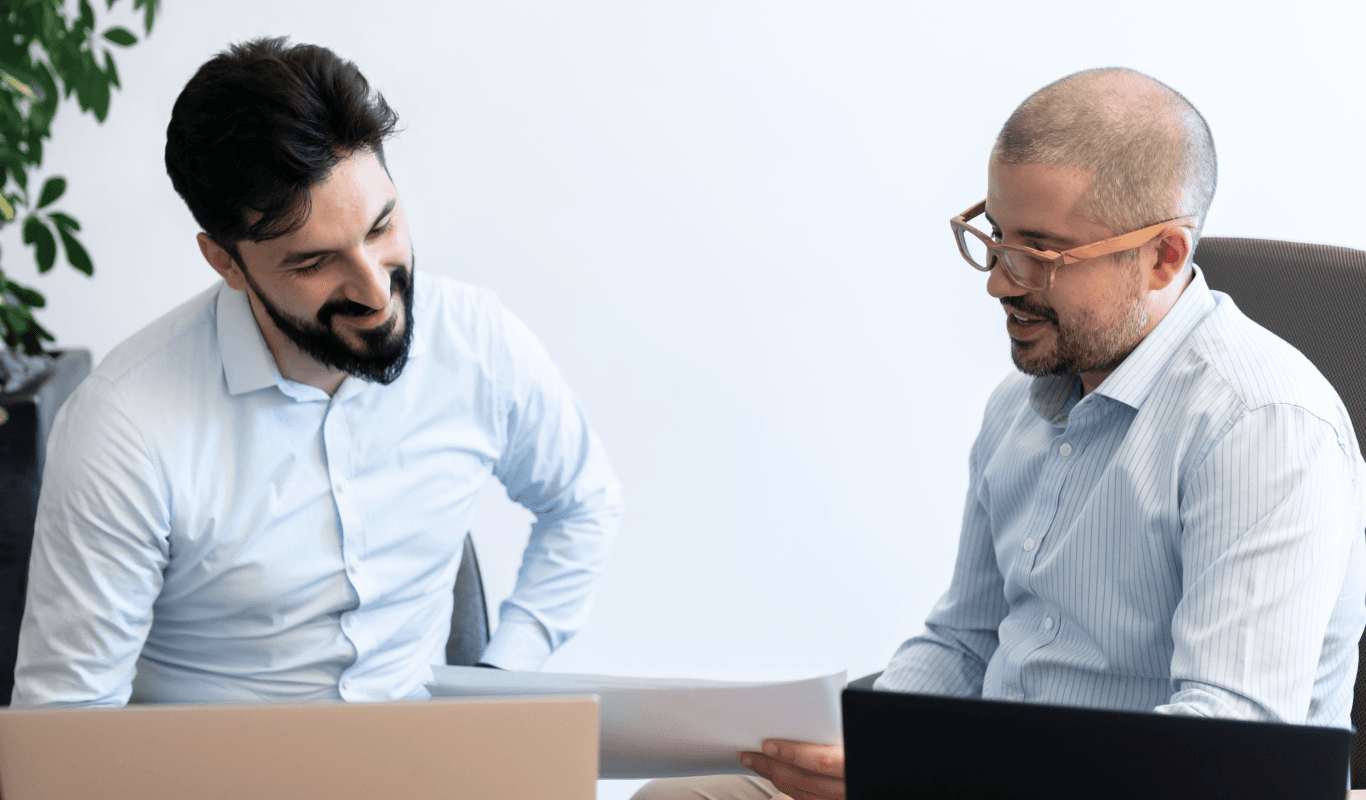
[
  {"x": 64, "y": 222},
  {"x": 110, "y": 71},
  {"x": 99, "y": 89},
  {"x": 75, "y": 253},
  {"x": 87, "y": 18},
  {"x": 6, "y": 210},
  {"x": 33, "y": 339},
  {"x": 17, "y": 319},
  {"x": 149, "y": 8},
  {"x": 37, "y": 234},
  {"x": 27, "y": 296},
  {"x": 121, "y": 36},
  {"x": 52, "y": 189}
]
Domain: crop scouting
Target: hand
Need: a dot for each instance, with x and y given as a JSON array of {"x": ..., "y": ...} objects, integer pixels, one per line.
[{"x": 801, "y": 770}]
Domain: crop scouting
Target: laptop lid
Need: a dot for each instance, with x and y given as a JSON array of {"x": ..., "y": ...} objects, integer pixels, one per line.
[
  {"x": 492, "y": 749},
  {"x": 906, "y": 745}
]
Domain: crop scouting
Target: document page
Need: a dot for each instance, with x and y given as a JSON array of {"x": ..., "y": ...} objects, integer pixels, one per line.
[{"x": 667, "y": 727}]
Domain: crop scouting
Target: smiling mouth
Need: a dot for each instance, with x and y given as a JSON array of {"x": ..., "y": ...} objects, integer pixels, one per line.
[{"x": 1023, "y": 321}]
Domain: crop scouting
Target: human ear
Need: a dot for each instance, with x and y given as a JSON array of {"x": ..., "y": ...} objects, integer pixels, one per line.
[
  {"x": 1173, "y": 251},
  {"x": 221, "y": 261}
]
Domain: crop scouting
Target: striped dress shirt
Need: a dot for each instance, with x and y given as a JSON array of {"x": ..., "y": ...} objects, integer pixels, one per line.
[{"x": 1187, "y": 538}]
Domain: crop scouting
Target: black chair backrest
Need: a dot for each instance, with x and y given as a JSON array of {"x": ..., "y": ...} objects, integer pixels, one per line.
[
  {"x": 470, "y": 616},
  {"x": 1314, "y": 297}
]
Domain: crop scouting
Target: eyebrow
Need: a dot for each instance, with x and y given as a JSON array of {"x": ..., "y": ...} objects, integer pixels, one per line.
[
  {"x": 308, "y": 255},
  {"x": 1039, "y": 236}
]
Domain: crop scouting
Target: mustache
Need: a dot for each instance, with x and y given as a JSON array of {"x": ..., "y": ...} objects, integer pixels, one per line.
[
  {"x": 1025, "y": 307},
  {"x": 398, "y": 283}
]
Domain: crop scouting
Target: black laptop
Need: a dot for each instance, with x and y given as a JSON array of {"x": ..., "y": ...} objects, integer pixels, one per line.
[{"x": 909, "y": 746}]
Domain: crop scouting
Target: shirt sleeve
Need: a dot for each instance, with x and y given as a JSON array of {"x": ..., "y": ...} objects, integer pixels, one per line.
[
  {"x": 554, "y": 465},
  {"x": 961, "y": 633},
  {"x": 1271, "y": 547},
  {"x": 99, "y": 550}
]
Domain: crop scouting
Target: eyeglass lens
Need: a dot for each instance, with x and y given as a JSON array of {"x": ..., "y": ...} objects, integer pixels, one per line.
[
  {"x": 1026, "y": 271},
  {"x": 974, "y": 247}
]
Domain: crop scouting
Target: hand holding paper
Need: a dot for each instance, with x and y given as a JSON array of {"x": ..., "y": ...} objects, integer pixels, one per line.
[
  {"x": 653, "y": 728},
  {"x": 801, "y": 769}
]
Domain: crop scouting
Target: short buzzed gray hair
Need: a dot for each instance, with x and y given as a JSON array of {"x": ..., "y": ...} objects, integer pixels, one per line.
[{"x": 1149, "y": 152}]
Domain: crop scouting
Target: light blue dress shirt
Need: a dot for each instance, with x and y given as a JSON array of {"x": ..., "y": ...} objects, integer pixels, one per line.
[
  {"x": 236, "y": 536},
  {"x": 1188, "y": 538}
]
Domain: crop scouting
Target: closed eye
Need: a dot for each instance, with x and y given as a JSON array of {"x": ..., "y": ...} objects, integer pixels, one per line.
[{"x": 309, "y": 269}]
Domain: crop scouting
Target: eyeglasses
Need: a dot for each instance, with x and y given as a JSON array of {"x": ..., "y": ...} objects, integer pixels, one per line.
[{"x": 1033, "y": 269}]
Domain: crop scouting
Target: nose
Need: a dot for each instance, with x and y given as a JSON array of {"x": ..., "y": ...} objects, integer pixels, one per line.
[
  {"x": 1000, "y": 284},
  {"x": 368, "y": 281}
]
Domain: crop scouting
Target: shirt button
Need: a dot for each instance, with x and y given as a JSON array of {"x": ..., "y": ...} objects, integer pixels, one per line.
[
  {"x": 346, "y": 685},
  {"x": 341, "y": 487},
  {"x": 1066, "y": 449},
  {"x": 1048, "y": 624},
  {"x": 1028, "y": 544}
]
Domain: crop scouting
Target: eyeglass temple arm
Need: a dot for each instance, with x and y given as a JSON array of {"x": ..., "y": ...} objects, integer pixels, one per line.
[{"x": 1126, "y": 242}]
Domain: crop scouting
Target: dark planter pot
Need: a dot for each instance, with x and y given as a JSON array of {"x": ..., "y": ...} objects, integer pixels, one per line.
[{"x": 25, "y": 421}]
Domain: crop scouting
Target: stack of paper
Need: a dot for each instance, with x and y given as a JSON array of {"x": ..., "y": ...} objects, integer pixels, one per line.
[{"x": 654, "y": 728}]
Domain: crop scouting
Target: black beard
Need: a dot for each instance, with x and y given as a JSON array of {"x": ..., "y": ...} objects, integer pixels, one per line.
[{"x": 385, "y": 354}]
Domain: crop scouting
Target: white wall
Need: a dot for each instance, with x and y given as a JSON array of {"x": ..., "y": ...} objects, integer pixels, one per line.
[{"x": 728, "y": 222}]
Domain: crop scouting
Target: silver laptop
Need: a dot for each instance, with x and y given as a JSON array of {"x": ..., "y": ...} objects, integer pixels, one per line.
[{"x": 491, "y": 749}]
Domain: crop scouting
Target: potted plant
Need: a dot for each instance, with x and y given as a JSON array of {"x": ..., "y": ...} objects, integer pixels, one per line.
[{"x": 41, "y": 48}]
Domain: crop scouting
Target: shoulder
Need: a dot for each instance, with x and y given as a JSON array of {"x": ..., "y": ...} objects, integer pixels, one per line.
[
  {"x": 470, "y": 320},
  {"x": 183, "y": 338},
  {"x": 1228, "y": 374},
  {"x": 450, "y": 305},
  {"x": 1230, "y": 356}
]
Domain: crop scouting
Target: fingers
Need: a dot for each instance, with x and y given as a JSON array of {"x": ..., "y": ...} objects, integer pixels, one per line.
[
  {"x": 799, "y": 783},
  {"x": 823, "y": 759}
]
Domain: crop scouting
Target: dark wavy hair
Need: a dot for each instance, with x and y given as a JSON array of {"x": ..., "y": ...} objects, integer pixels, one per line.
[{"x": 258, "y": 125}]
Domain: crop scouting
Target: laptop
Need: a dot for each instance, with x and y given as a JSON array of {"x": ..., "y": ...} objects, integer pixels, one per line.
[
  {"x": 492, "y": 749},
  {"x": 906, "y": 745}
]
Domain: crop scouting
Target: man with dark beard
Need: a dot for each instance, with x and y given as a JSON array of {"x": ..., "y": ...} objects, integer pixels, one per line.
[
  {"x": 262, "y": 496},
  {"x": 1164, "y": 510}
]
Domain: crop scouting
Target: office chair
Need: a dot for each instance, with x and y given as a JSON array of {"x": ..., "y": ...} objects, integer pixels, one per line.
[
  {"x": 470, "y": 615},
  {"x": 1312, "y": 296}
]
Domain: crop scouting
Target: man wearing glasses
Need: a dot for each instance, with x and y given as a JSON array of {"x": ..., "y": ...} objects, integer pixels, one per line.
[{"x": 1165, "y": 509}]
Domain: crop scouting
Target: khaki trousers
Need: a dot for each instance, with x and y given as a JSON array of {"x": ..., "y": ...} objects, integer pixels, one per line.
[{"x": 710, "y": 787}]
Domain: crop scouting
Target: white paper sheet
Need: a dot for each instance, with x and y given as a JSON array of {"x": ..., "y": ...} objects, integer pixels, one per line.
[{"x": 664, "y": 727}]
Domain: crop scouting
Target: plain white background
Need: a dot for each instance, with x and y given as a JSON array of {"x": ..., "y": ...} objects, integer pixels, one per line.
[{"x": 728, "y": 221}]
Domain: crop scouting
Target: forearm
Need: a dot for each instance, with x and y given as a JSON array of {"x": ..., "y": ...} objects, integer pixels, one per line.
[
  {"x": 940, "y": 661},
  {"x": 556, "y": 583}
]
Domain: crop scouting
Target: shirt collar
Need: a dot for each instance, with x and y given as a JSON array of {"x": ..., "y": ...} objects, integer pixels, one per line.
[
  {"x": 1131, "y": 383},
  {"x": 247, "y": 361},
  {"x": 1133, "y": 380}
]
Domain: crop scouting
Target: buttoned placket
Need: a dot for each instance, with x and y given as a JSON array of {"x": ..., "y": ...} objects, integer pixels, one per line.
[
  {"x": 337, "y": 444},
  {"x": 1063, "y": 456}
]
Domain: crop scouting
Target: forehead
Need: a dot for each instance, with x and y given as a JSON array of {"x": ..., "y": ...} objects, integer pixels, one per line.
[
  {"x": 1040, "y": 199},
  {"x": 343, "y": 204}
]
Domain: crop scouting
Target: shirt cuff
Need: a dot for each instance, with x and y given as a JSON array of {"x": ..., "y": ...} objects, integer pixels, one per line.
[{"x": 520, "y": 643}]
